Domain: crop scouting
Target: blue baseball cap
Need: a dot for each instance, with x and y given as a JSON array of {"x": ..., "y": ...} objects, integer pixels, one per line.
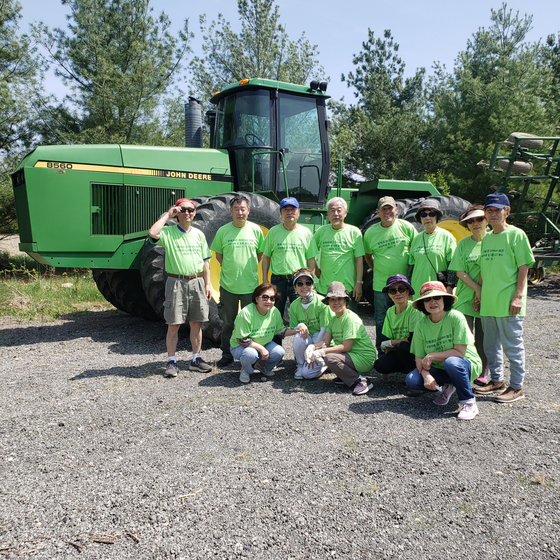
[
  {"x": 289, "y": 201},
  {"x": 497, "y": 200}
]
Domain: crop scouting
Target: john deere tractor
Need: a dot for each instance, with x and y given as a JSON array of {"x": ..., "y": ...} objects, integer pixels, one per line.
[{"x": 90, "y": 206}]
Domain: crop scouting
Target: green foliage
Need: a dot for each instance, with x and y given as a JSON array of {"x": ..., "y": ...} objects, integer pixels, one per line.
[
  {"x": 498, "y": 86},
  {"x": 119, "y": 62},
  {"x": 383, "y": 134},
  {"x": 262, "y": 49},
  {"x": 438, "y": 180}
]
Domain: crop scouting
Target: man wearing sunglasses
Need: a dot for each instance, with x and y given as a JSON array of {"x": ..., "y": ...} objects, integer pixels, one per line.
[
  {"x": 188, "y": 289},
  {"x": 506, "y": 256},
  {"x": 387, "y": 245}
]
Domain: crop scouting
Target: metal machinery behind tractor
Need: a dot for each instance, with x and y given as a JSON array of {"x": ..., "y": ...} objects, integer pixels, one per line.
[
  {"x": 531, "y": 172},
  {"x": 90, "y": 206}
]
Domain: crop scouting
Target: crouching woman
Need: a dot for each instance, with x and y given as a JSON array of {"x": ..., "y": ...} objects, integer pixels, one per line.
[
  {"x": 443, "y": 346},
  {"x": 253, "y": 331},
  {"x": 353, "y": 353}
]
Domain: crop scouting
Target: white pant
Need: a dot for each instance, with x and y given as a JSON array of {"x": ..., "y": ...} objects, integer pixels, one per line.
[{"x": 299, "y": 346}]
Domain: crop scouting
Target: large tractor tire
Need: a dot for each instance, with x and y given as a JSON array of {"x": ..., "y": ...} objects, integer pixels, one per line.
[
  {"x": 123, "y": 289},
  {"x": 211, "y": 214},
  {"x": 451, "y": 206}
]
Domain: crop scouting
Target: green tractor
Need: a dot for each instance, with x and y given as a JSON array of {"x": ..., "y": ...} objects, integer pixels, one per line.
[{"x": 90, "y": 206}]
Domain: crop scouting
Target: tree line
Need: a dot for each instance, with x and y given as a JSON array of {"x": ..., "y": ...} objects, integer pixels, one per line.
[{"x": 124, "y": 72}]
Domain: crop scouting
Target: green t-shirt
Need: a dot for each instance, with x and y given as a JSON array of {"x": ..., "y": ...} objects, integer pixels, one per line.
[
  {"x": 441, "y": 336},
  {"x": 261, "y": 328},
  {"x": 502, "y": 255},
  {"x": 338, "y": 250},
  {"x": 439, "y": 247},
  {"x": 467, "y": 259},
  {"x": 185, "y": 251},
  {"x": 390, "y": 248},
  {"x": 397, "y": 327},
  {"x": 288, "y": 250},
  {"x": 350, "y": 327},
  {"x": 240, "y": 265},
  {"x": 316, "y": 316}
]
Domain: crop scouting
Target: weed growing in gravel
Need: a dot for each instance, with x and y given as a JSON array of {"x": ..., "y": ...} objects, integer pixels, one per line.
[{"x": 33, "y": 295}]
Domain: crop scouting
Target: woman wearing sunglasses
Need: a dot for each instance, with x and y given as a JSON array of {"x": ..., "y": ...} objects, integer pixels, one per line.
[
  {"x": 443, "y": 346},
  {"x": 254, "y": 328},
  {"x": 432, "y": 250},
  {"x": 466, "y": 264},
  {"x": 309, "y": 318},
  {"x": 398, "y": 328}
]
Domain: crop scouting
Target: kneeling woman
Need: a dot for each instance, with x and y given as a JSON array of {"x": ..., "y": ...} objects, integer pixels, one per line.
[
  {"x": 398, "y": 327},
  {"x": 353, "y": 353},
  {"x": 253, "y": 331},
  {"x": 444, "y": 348},
  {"x": 308, "y": 322}
]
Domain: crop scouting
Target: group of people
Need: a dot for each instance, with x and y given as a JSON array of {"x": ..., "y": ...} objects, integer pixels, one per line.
[{"x": 441, "y": 341}]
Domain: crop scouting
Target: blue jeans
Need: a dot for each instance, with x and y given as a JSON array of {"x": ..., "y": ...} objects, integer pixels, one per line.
[
  {"x": 457, "y": 372},
  {"x": 248, "y": 356},
  {"x": 381, "y": 302},
  {"x": 505, "y": 335},
  {"x": 286, "y": 290}
]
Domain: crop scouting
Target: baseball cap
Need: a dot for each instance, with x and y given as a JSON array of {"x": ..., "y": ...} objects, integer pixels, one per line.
[
  {"x": 497, "y": 200},
  {"x": 289, "y": 201},
  {"x": 386, "y": 201}
]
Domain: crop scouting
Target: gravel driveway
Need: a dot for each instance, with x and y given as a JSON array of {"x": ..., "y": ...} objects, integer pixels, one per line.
[{"x": 101, "y": 457}]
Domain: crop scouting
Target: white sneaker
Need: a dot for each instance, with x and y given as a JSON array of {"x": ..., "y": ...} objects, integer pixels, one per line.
[
  {"x": 244, "y": 377},
  {"x": 298, "y": 373},
  {"x": 468, "y": 411}
]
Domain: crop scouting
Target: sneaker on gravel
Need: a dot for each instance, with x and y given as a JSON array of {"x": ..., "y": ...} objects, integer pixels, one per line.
[
  {"x": 443, "y": 398},
  {"x": 171, "y": 370},
  {"x": 468, "y": 411},
  {"x": 297, "y": 374},
  {"x": 244, "y": 377},
  {"x": 362, "y": 387},
  {"x": 510, "y": 395},
  {"x": 481, "y": 381},
  {"x": 200, "y": 365},
  {"x": 491, "y": 387},
  {"x": 225, "y": 360},
  {"x": 261, "y": 368}
]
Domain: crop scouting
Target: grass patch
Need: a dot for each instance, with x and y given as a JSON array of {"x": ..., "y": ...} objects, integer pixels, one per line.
[{"x": 40, "y": 294}]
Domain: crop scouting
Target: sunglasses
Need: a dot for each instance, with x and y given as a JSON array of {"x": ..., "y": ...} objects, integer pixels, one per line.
[
  {"x": 473, "y": 220},
  {"x": 189, "y": 210},
  {"x": 301, "y": 284},
  {"x": 428, "y": 214},
  {"x": 268, "y": 298},
  {"x": 435, "y": 298},
  {"x": 400, "y": 290}
]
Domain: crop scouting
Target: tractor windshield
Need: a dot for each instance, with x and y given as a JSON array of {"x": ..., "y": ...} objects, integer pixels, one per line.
[{"x": 275, "y": 141}]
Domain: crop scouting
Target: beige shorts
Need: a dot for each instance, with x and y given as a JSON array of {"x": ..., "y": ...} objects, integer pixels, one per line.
[{"x": 185, "y": 300}]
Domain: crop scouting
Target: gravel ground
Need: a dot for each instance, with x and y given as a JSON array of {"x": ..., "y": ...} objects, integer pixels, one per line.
[{"x": 101, "y": 457}]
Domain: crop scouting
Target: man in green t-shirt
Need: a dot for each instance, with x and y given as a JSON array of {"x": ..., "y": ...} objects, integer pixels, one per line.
[
  {"x": 386, "y": 245},
  {"x": 238, "y": 247},
  {"x": 505, "y": 259},
  {"x": 341, "y": 249},
  {"x": 188, "y": 289},
  {"x": 287, "y": 247}
]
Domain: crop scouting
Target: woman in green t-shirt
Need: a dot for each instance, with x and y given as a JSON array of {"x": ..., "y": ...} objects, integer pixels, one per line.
[
  {"x": 353, "y": 352},
  {"x": 444, "y": 349},
  {"x": 253, "y": 331},
  {"x": 466, "y": 264},
  {"x": 398, "y": 328},
  {"x": 309, "y": 318}
]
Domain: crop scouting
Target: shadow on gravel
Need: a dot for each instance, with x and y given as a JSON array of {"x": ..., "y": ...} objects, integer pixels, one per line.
[
  {"x": 223, "y": 378},
  {"x": 549, "y": 288},
  {"x": 144, "y": 371}
]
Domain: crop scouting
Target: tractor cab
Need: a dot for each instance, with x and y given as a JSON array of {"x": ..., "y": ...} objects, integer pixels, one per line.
[{"x": 276, "y": 135}]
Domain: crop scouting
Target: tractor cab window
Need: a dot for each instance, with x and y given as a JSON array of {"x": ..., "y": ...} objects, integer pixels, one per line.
[
  {"x": 243, "y": 126},
  {"x": 300, "y": 141}
]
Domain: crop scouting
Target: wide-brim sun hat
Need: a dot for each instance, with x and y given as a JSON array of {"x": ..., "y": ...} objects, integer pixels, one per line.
[
  {"x": 398, "y": 279},
  {"x": 473, "y": 214},
  {"x": 335, "y": 289},
  {"x": 431, "y": 289},
  {"x": 429, "y": 204},
  {"x": 303, "y": 274}
]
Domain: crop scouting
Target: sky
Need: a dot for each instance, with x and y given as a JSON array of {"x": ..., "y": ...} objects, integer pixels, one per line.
[{"x": 427, "y": 31}]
